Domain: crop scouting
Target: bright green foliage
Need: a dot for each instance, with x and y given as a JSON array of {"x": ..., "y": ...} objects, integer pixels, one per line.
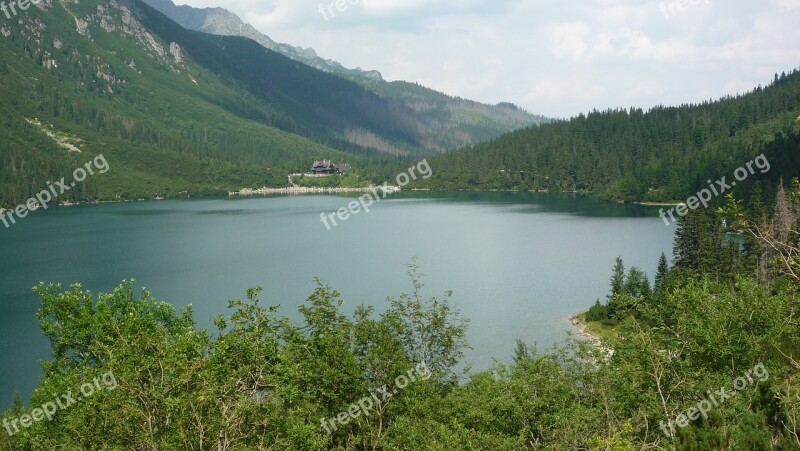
[
  {"x": 637, "y": 284},
  {"x": 261, "y": 381},
  {"x": 620, "y": 441},
  {"x": 598, "y": 312},
  {"x": 618, "y": 279},
  {"x": 264, "y": 382},
  {"x": 628, "y": 294},
  {"x": 430, "y": 331}
]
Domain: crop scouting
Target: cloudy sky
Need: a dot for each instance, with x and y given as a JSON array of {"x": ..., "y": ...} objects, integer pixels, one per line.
[{"x": 552, "y": 57}]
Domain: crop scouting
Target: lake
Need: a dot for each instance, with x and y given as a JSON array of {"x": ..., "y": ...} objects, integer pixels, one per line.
[{"x": 518, "y": 263}]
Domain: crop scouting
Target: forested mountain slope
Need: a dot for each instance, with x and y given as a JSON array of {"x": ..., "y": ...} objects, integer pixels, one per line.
[
  {"x": 662, "y": 154},
  {"x": 439, "y": 121},
  {"x": 222, "y": 22},
  {"x": 174, "y": 111}
]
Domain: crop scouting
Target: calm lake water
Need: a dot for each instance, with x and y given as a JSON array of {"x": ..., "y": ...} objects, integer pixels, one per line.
[{"x": 518, "y": 263}]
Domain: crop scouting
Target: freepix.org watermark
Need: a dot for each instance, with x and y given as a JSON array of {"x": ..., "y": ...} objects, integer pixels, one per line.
[
  {"x": 328, "y": 12},
  {"x": 716, "y": 189},
  {"x": 368, "y": 403},
  {"x": 364, "y": 202},
  {"x": 10, "y": 9},
  {"x": 714, "y": 399},
  {"x": 671, "y": 9},
  {"x": 105, "y": 381},
  {"x": 54, "y": 190}
]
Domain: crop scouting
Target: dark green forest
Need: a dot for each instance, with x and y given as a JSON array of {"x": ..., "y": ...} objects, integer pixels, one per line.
[{"x": 663, "y": 154}]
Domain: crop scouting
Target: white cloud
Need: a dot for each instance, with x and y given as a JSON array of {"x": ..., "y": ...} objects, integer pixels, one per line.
[
  {"x": 570, "y": 40},
  {"x": 791, "y": 4},
  {"x": 384, "y": 7},
  {"x": 574, "y": 87}
]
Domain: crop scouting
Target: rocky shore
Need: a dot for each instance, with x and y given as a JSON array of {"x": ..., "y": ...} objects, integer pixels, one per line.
[
  {"x": 583, "y": 331},
  {"x": 312, "y": 190}
]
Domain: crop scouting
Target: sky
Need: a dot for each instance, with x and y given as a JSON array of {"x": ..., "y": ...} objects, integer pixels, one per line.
[{"x": 558, "y": 58}]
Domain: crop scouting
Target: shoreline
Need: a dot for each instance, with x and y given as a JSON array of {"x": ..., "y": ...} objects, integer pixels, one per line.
[
  {"x": 658, "y": 204},
  {"x": 95, "y": 202},
  {"x": 298, "y": 190},
  {"x": 312, "y": 190},
  {"x": 582, "y": 329},
  {"x": 295, "y": 190}
]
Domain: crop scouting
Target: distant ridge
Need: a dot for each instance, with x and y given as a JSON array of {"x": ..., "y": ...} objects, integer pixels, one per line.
[
  {"x": 222, "y": 22},
  {"x": 441, "y": 121}
]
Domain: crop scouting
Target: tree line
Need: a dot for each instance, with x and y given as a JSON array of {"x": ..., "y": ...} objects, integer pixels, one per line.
[{"x": 663, "y": 154}]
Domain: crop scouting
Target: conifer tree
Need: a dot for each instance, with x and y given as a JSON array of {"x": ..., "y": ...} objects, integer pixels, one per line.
[
  {"x": 661, "y": 274},
  {"x": 618, "y": 279}
]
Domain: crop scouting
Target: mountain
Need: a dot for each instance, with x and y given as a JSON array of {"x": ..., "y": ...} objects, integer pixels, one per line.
[
  {"x": 442, "y": 122},
  {"x": 664, "y": 154},
  {"x": 175, "y": 112},
  {"x": 225, "y": 23},
  {"x": 181, "y": 112}
]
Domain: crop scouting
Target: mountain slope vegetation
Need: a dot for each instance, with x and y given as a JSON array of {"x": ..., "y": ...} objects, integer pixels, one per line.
[
  {"x": 181, "y": 112},
  {"x": 664, "y": 154},
  {"x": 170, "y": 121},
  {"x": 225, "y": 23},
  {"x": 439, "y": 121}
]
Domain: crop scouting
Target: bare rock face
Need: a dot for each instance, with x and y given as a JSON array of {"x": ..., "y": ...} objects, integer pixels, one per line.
[
  {"x": 176, "y": 52},
  {"x": 82, "y": 27}
]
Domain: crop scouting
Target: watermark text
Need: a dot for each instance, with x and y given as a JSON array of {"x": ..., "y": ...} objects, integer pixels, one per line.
[
  {"x": 365, "y": 202},
  {"x": 714, "y": 399},
  {"x": 715, "y": 189},
  {"x": 54, "y": 190},
  {"x": 48, "y": 410}
]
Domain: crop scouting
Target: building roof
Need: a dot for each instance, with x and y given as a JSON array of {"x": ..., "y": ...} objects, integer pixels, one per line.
[{"x": 325, "y": 164}]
